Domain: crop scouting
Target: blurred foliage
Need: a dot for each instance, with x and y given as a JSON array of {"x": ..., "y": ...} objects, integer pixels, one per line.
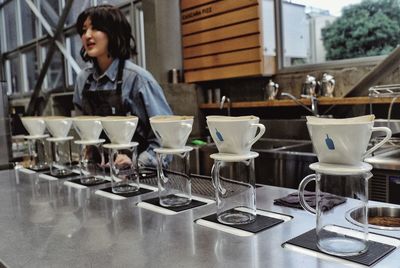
[{"x": 370, "y": 28}]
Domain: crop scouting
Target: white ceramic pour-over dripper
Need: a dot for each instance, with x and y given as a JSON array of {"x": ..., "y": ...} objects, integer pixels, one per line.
[
  {"x": 58, "y": 126},
  {"x": 88, "y": 127},
  {"x": 120, "y": 129},
  {"x": 235, "y": 134},
  {"x": 35, "y": 125},
  {"x": 172, "y": 131},
  {"x": 344, "y": 141}
]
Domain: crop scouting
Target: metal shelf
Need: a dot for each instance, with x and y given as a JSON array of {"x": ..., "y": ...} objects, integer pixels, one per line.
[{"x": 385, "y": 91}]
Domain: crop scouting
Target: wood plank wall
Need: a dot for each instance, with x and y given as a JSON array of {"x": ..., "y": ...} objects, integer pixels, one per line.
[{"x": 222, "y": 39}]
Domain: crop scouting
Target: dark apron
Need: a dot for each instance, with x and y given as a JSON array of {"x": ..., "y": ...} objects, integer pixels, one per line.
[{"x": 109, "y": 102}]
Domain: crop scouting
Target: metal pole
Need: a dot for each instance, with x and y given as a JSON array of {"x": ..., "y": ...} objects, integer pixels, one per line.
[{"x": 279, "y": 42}]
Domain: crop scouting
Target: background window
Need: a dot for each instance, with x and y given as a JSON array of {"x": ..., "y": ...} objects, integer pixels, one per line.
[
  {"x": 10, "y": 25},
  {"x": 50, "y": 10},
  {"x": 318, "y": 31},
  {"x": 32, "y": 68},
  {"x": 28, "y": 23},
  {"x": 74, "y": 45},
  {"x": 16, "y": 75},
  {"x": 76, "y": 9},
  {"x": 55, "y": 73}
]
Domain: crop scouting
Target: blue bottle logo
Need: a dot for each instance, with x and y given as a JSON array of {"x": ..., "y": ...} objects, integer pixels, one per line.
[
  {"x": 329, "y": 142},
  {"x": 219, "y": 135}
]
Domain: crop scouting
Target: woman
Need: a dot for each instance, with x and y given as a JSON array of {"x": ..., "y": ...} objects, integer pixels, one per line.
[{"x": 112, "y": 84}]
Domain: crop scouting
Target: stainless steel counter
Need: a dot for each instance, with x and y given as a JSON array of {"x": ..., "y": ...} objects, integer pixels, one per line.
[{"x": 47, "y": 224}]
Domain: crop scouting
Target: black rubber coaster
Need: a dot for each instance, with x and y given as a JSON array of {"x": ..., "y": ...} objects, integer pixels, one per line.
[
  {"x": 71, "y": 175},
  {"x": 193, "y": 204},
  {"x": 375, "y": 252},
  {"x": 40, "y": 169},
  {"x": 139, "y": 192},
  {"x": 261, "y": 223},
  {"x": 78, "y": 181}
]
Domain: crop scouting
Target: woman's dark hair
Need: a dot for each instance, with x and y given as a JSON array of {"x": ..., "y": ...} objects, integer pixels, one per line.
[{"x": 112, "y": 21}]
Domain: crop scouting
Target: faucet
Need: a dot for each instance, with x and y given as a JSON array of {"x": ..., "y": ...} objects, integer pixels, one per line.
[
  {"x": 221, "y": 104},
  {"x": 314, "y": 102}
]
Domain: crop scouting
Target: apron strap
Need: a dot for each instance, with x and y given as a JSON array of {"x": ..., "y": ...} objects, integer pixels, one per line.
[
  {"x": 87, "y": 85},
  {"x": 121, "y": 65}
]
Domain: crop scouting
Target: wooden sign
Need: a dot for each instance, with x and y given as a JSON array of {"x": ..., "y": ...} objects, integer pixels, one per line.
[{"x": 223, "y": 39}]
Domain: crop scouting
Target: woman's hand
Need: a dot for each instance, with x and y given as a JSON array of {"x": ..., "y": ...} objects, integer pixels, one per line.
[{"x": 122, "y": 161}]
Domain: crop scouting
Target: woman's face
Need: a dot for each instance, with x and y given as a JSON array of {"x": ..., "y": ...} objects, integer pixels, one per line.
[{"x": 94, "y": 41}]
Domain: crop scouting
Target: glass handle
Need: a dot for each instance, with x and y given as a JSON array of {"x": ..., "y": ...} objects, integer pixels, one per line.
[
  {"x": 160, "y": 171},
  {"x": 81, "y": 159},
  {"x": 215, "y": 178},
  {"x": 302, "y": 187},
  {"x": 32, "y": 151},
  {"x": 56, "y": 153},
  {"x": 113, "y": 166}
]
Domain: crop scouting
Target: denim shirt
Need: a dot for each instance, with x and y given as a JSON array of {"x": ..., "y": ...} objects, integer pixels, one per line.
[{"x": 140, "y": 92}]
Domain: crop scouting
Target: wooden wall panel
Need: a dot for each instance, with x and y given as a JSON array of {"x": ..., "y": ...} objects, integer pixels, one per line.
[
  {"x": 186, "y": 4},
  {"x": 237, "y": 16},
  {"x": 214, "y": 9},
  {"x": 248, "y": 55},
  {"x": 239, "y": 70},
  {"x": 245, "y": 28},
  {"x": 243, "y": 42},
  {"x": 223, "y": 39}
]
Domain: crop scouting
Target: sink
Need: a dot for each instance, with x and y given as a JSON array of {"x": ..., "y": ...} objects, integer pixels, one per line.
[
  {"x": 384, "y": 217},
  {"x": 285, "y": 166},
  {"x": 306, "y": 148}
]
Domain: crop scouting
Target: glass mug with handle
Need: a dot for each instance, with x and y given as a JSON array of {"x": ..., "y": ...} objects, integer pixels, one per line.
[
  {"x": 346, "y": 187},
  {"x": 124, "y": 169},
  {"x": 173, "y": 176},
  {"x": 234, "y": 182}
]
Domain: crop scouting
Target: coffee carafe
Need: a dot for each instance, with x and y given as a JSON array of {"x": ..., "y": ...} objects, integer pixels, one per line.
[
  {"x": 339, "y": 181},
  {"x": 173, "y": 159},
  {"x": 233, "y": 170},
  {"x": 341, "y": 146},
  {"x": 91, "y": 157},
  {"x": 234, "y": 182},
  {"x": 37, "y": 149},
  {"x": 122, "y": 153},
  {"x": 59, "y": 127}
]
